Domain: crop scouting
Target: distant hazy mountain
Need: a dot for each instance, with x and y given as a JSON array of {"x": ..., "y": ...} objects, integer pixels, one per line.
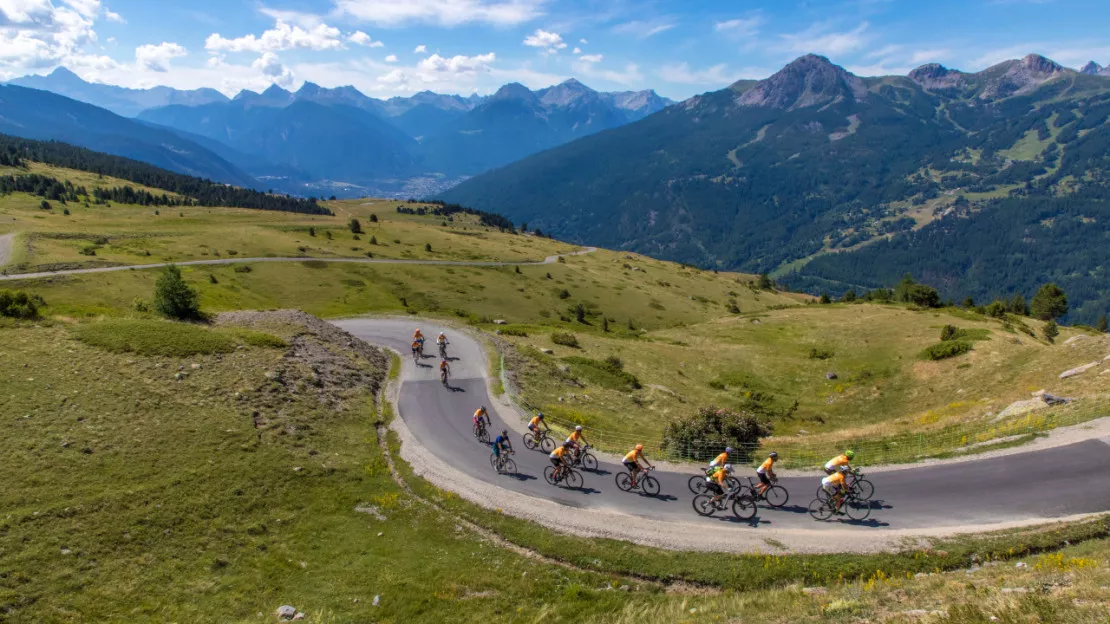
[
  {"x": 515, "y": 122},
  {"x": 816, "y": 165},
  {"x": 119, "y": 100},
  {"x": 35, "y": 114},
  {"x": 335, "y": 142}
]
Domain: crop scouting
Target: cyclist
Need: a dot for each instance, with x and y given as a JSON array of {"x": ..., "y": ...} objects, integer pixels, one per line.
[
  {"x": 416, "y": 349},
  {"x": 418, "y": 336},
  {"x": 444, "y": 370},
  {"x": 441, "y": 341},
  {"x": 717, "y": 481},
  {"x": 718, "y": 461},
  {"x": 576, "y": 440},
  {"x": 631, "y": 462},
  {"x": 501, "y": 443},
  {"x": 835, "y": 463},
  {"x": 836, "y": 486},
  {"x": 558, "y": 459},
  {"x": 534, "y": 424},
  {"x": 766, "y": 472},
  {"x": 481, "y": 417}
]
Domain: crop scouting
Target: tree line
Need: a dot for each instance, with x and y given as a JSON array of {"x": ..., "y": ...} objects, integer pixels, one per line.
[
  {"x": 199, "y": 192},
  {"x": 443, "y": 209}
]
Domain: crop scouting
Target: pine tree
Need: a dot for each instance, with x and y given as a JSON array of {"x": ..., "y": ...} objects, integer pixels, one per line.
[
  {"x": 1051, "y": 331},
  {"x": 1049, "y": 303},
  {"x": 173, "y": 298}
]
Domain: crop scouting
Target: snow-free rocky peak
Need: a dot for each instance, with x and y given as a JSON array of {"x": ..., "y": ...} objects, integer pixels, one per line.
[{"x": 810, "y": 80}]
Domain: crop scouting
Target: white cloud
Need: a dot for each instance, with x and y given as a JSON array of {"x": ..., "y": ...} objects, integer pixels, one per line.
[
  {"x": 272, "y": 69},
  {"x": 360, "y": 38},
  {"x": 591, "y": 58},
  {"x": 157, "y": 58},
  {"x": 392, "y": 58},
  {"x": 86, "y": 8},
  {"x": 441, "y": 12},
  {"x": 820, "y": 40},
  {"x": 395, "y": 77},
  {"x": 281, "y": 37},
  {"x": 436, "y": 64},
  {"x": 420, "y": 49},
  {"x": 112, "y": 16},
  {"x": 929, "y": 56},
  {"x": 577, "y": 50},
  {"x": 681, "y": 73},
  {"x": 549, "y": 41},
  {"x": 881, "y": 69},
  {"x": 583, "y": 41},
  {"x": 643, "y": 29},
  {"x": 739, "y": 27},
  {"x": 36, "y": 35}
]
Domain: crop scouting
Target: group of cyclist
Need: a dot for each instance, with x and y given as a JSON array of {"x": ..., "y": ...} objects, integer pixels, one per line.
[
  {"x": 441, "y": 342},
  {"x": 717, "y": 472}
]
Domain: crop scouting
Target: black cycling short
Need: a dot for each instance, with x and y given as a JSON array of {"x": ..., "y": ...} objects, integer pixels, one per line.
[
  {"x": 829, "y": 471},
  {"x": 764, "y": 478},
  {"x": 714, "y": 487},
  {"x": 556, "y": 462},
  {"x": 632, "y": 466}
]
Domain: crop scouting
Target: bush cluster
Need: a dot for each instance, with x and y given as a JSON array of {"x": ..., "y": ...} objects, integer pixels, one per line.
[
  {"x": 711, "y": 429},
  {"x": 19, "y": 304},
  {"x": 946, "y": 349},
  {"x": 565, "y": 339}
]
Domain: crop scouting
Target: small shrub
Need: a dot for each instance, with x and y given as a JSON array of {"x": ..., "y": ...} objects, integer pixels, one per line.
[
  {"x": 312, "y": 231},
  {"x": 65, "y": 211},
  {"x": 1050, "y": 331},
  {"x": 45, "y": 205},
  {"x": 428, "y": 247},
  {"x": 355, "y": 226},
  {"x": 996, "y": 309},
  {"x": 510, "y": 331},
  {"x": 87, "y": 250},
  {"x": 232, "y": 252},
  {"x": 140, "y": 305},
  {"x": 327, "y": 234},
  {"x": 615, "y": 362},
  {"x": 825, "y": 299},
  {"x": 373, "y": 218},
  {"x": 396, "y": 241},
  {"x": 173, "y": 298},
  {"x": 945, "y": 350},
  {"x": 821, "y": 353},
  {"x": 212, "y": 279},
  {"x": 373, "y": 240},
  {"x": 564, "y": 294},
  {"x": 565, "y": 339},
  {"x": 949, "y": 332},
  {"x": 706, "y": 433},
  {"x": 243, "y": 268},
  {"x": 19, "y": 304},
  {"x": 562, "y": 260}
]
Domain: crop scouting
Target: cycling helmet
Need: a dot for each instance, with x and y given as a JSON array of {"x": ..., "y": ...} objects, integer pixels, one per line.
[
  {"x": 845, "y": 469},
  {"x": 849, "y": 454},
  {"x": 483, "y": 408},
  {"x": 540, "y": 415},
  {"x": 639, "y": 447},
  {"x": 418, "y": 330},
  {"x": 728, "y": 467},
  {"x": 773, "y": 455},
  {"x": 578, "y": 428},
  {"x": 505, "y": 432},
  {"x": 442, "y": 333},
  {"x": 568, "y": 444},
  {"x": 728, "y": 449}
]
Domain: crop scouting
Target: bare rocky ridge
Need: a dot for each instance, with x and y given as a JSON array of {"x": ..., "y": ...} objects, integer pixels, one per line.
[
  {"x": 935, "y": 76},
  {"x": 1022, "y": 76},
  {"x": 811, "y": 80},
  {"x": 1091, "y": 69}
]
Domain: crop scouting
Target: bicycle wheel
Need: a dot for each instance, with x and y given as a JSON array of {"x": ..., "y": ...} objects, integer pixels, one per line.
[
  {"x": 822, "y": 494},
  {"x": 589, "y": 462},
  {"x": 549, "y": 474},
  {"x": 863, "y": 489},
  {"x": 703, "y": 505},
  {"x": 573, "y": 479},
  {"x": 509, "y": 467},
  {"x": 530, "y": 441},
  {"x": 733, "y": 483},
  {"x": 547, "y": 444},
  {"x": 650, "y": 486},
  {"x": 697, "y": 484},
  {"x": 776, "y": 496},
  {"x": 857, "y": 509},
  {"x": 820, "y": 509},
  {"x": 743, "y": 507},
  {"x": 493, "y": 461},
  {"x": 624, "y": 481}
]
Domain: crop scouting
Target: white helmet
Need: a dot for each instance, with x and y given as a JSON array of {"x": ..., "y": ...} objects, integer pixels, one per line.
[
  {"x": 728, "y": 467},
  {"x": 578, "y": 428},
  {"x": 442, "y": 334}
]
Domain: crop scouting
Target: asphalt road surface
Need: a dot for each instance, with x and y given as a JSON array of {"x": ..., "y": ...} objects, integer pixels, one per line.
[{"x": 1044, "y": 484}]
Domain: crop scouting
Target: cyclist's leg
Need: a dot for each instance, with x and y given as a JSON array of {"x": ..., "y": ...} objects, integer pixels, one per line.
[{"x": 764, "y": 483}]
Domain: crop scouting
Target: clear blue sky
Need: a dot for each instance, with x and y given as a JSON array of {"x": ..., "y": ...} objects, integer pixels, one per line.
[{"x": 397, "y": 47}]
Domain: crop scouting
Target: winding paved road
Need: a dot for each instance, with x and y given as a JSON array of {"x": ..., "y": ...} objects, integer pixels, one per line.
[
  {"x": 1031, "y": 486},
  {"x": 157, "y": 265}
]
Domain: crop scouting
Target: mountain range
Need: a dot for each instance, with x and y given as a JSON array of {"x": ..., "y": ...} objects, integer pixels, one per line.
[
  {"x": 339, "y": 141},
  {"x": 814, "y": 173}
]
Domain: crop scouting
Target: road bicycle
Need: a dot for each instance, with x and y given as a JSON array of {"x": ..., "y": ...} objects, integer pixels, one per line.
[
  {"x": 567, "y": 476},
  {"x": 443, "y": 350},
  {"x": 585, "y": 459},
  {"x": 645, "y": 483},
  {"x": 697, "y": 483},
  {"x": 776, "y": 496},
  {"x": 825, "y": 508},
  {"x": 860, "y": 487},
  {"x": 503, "y": 464},
  {"x": 443, "y": 376},
  {"x": 539, "y": 439},
  {"x": 481, "y": 432},
  {"x": 743, "y": 506}
]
